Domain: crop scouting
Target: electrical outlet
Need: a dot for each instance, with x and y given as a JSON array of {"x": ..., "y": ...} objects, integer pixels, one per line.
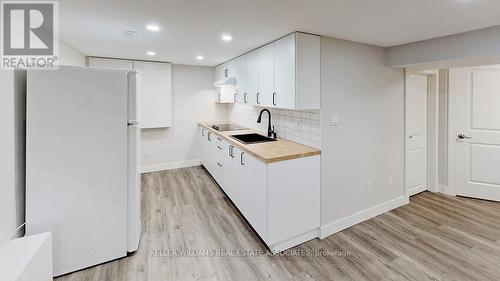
[
  {"x": 147, "y": 153},
  {"x": 389, "y": 181},
  {"x": 369, "y": 187}
]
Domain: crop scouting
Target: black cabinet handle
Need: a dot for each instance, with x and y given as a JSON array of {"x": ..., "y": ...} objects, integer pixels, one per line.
[
  {"x": 258, "y": 101},
  {"x": 241, "y": 159},
  {"x": 220, "y": 165},
  {"x": 202, "y": 132},
  {"x": 219, "y": 147},
  {"x": 274, "y": 98},
  {"x": 208, "y": 136},
  {"x": 245, "y": 97},
  {"x": 231, "y": 151}
]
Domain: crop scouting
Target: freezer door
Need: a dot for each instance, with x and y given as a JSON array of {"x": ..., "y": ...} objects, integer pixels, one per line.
[
  {"x": 134, "y": 97},
  {"x": 134, "y": 188}
]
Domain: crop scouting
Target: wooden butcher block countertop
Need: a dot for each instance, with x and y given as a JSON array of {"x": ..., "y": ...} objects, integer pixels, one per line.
[{"x": 268, "y": 152}]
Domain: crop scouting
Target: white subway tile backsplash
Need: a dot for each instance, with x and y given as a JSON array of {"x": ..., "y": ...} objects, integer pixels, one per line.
[{"x": 301, "y": 126}]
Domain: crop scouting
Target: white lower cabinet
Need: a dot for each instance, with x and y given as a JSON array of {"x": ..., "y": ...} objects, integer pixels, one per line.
[{"x": 280, "y": 200}]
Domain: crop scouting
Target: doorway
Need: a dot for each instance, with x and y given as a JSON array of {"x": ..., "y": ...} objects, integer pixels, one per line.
[
  {"x": 421, "y": 117},
  {"x": 416, "y": 133}
]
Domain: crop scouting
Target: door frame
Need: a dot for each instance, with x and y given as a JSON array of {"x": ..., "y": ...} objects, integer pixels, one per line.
[{"x": 432, "y": 129}]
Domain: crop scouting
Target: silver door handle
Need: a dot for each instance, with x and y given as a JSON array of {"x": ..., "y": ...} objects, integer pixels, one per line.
[{"x": 463, "y": 136}]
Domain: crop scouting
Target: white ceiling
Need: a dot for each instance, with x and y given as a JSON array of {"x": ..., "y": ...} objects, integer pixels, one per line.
[{"x": 194, "y": 27}]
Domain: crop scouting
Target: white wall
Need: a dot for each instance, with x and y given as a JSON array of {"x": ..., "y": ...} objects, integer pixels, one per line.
[
  {"x": 12, "y": 139},
  {"x": 193, "y": 100},
  {"x": 368, "y": 146},
  {"x": 478, "y": 47},
  {"x": 68, "y": 55}
]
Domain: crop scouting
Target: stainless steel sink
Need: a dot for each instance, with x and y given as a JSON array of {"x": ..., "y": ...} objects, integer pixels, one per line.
[{"x": 252, "y": 138}]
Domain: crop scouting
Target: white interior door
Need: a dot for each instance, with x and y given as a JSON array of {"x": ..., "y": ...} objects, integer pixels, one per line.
[
  {"x": 477, "y": 114},
  {"x": 416, "y": 133}
]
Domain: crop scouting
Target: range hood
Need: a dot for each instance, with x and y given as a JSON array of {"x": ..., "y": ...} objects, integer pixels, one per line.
[{"x": 228, "y": 81}]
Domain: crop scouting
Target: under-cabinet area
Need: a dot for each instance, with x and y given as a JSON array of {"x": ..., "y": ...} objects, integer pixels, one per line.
[{"x": 275, "y": 185}]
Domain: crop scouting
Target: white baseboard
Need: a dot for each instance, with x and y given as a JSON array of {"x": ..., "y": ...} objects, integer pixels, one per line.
[
  {"x": 294, "y": 241},
  {"x": 442, "y": 189},
  {"x": 418, "y": 190},
  {"x": 170, "y": 166},
  {"x": 359, "y": 217}
]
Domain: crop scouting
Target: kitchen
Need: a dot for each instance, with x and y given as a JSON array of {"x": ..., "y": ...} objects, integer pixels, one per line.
[{"x": 286, "y": 148}]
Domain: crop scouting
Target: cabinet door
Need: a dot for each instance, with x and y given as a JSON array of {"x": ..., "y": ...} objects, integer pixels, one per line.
[
  {"x": 265, "y": 90},
  {"x": 227, "y": 169},
  {"x": 203, "y": 146},
  {"x": 240, "y": 73},
  {"x": 219, "y": 161},
  {"x": 254, "y": 193},
  {"x": 110, "y": 63},
  {"x": 228, "y": 69},
  {"x": 210, "y": 153},
  {"x": 156, "y": 101},
  {"x": 238, "y": 179},
  {"x": 284, "y": 72},
  {"x": 252, "y": 79}
]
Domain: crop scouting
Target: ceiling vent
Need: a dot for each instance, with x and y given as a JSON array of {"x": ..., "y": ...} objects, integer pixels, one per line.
[{"x": 129, "y": 35}]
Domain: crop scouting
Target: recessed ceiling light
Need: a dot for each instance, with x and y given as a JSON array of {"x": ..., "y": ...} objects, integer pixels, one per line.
[
  {"x": 199, "y": 57},
  {"x": 151, "y": 53},
  {"x": 152, "y": 27},
  {"x": 227, "y": 37}
]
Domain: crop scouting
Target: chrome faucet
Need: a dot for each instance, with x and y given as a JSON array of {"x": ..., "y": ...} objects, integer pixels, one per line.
[{"x": 270, "y": 132}]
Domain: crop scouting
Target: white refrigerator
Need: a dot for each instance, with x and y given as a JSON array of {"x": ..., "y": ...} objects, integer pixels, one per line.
[{"x": 82, "y": 164}]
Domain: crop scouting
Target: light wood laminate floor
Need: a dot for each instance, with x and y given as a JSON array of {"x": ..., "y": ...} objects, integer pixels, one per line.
[{"x": 435, "y": 237}]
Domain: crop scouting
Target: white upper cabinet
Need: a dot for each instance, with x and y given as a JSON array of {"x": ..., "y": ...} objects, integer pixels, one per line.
[
  {"x": 240, "y": 69},
  {"x": 219, "y": 73},
  {"x": 225, "y": 94},
  {"x": 282, "y": 74},
  {"x": 224, "y": 70},
  {"x": 110, "y": 63},
  {"x": 307, "y": 71},
  {"x": 252, "y": 78},
  {"x": 156, "y": 89},
  {"x": 156, "y": 101},
  {"x": 264, "y": 96}
]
